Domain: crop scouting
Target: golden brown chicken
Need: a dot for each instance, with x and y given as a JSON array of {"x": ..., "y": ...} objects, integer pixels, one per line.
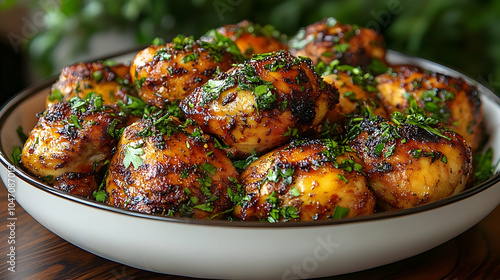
[
  {"x": 329, "y": 39},
  {"x": 357, "y": 94},
  {"x": 253, "y": 38},
  {"x": 446, "y": 99},
  {"x": 165, "y": 167},
  {"x": 72, "y": 140},
  {"x": 261, "y": 104},
  {"x": 304, "y": 181},
  {"x": 80, "y": 184},
  {"x": 410, "y": 162},
  {"x": 166, "y": 73},
  {"x": 109, "y": 79}
]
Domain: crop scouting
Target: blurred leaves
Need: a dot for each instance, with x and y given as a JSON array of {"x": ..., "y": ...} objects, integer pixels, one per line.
[{"x": 464, "y": 34}]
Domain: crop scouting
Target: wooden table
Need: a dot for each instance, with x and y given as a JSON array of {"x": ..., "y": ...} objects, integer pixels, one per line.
[{"x": 42, "y": 255}]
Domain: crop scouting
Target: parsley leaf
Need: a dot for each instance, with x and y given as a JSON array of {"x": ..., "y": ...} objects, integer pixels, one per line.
[
  {"x": 15, "y": 156},
  {"x": 132, "y": 156},
  {"x": 209, "y": 168},
  {"x": 340, "y": 212},
  {"x": 244, "y": 163},
  {"x": 22, "y": 136},
  {"x": 342, "y": 47},
  {"x": 294, "y": 192},
  {"x": 483, "y": 165},
  {"x": 56, "y": 95}
]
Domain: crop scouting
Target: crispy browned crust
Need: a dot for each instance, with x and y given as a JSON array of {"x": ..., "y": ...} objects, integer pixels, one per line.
[
  {"x": 80, "y": 184},
  {"x": 57, "y": 147},
  {"x": 416, "y": 168},
  {"x": 321, "y": 184},
  {"x": 253, "y": 39},
  {"x": 324, "y": 40},
  {"x": 301, "y": 101},
  {"x": 170, "y": 179},
  {"x": 167, "y": 73},
  {"x": 464, "y": 109},
  {"x": 353, "y": 99},
  {"x": 80, "y": 79}
]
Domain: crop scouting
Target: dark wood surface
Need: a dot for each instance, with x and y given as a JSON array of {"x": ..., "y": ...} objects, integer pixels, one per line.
[{"x": 39, "y": 254}]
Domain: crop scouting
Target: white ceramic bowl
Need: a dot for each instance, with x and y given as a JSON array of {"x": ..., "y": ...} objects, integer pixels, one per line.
[{"x": 251, "y": 250}]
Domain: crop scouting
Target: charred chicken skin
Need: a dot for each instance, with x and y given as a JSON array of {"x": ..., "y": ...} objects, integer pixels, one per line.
[
  {"x": 446, "y": 99},
  {"x": 166, "y": 73},
  {"x": 165, "y": 167},
  {"x": 253, "y": 38},
  {"x": 357, "y": 93},
  {"x": 304, "y": 181},
  {"x": 409, "y": 163},
  {"x": 261, "y": 104},
  {"x": 329, "y": 39},
  {"x": 109, "y": 79},
  {"x": 74, "y": 140}
]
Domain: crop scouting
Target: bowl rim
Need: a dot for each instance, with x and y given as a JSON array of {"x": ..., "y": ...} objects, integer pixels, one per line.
[{"x": 6, "y": 162}]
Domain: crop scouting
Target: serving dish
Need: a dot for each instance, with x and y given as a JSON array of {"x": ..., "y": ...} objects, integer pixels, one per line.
[{"x": 244, "y": 250}]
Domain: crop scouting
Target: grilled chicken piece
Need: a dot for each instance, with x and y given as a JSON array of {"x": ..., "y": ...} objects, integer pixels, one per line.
[
  {"x": 80, "y": 184},
  {"x": 167, "y": 73},
  {"x": 111, "y": 82},
  {"x": 357, "y": 92},
  {"x": 304, "y": 181},
  {"x": 409, "y": 165},
  {"x": 329, "y": 39},
  {"x": 253, "y": 38},
  {"x": 74, "y": 137},
  {"x": 261, "y": 104},
  {"x": 447, "y": 99},
  {"x": 165, "y": 167}
]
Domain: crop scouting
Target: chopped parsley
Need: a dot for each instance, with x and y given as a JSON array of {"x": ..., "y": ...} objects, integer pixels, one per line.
[
  {"x": 184, "y": 174},
  {"x": 212, "y": 89},
  {"x": 434, "y": 103},
  {"x": 74, "y": 121},
  {"x": 277, "y": 212},
  {"x": 97, "y": 75},
  {"x": 276, "y": 174},
  {"x": 113, "y": 130},
  {"x": 294, "y": 192},
  {"x": 416, "y": 116},
  {"x": 484, "y": 167},
  {"x": 22, "y": 136},
  {"x": 132, "y": 106},
  {"x": 340, "y": 212},
  {"x": 158, "y": 41},
  {"x": 162, "y": 54},
  {"x": 100, "y": 194},
  {"x": 342, "y": 177},
  {"x": 264, "y": 97},
  {"x": 221, "y": 43},
  {"x": 209, "y": 168},
  {"x": 342, "y": 47},
  {"x": 365, "y": 80},
  {"x": 15, "y": 156},
  {"x": 133, "y": 156},
  {"x": 244, "y": 163},
  {"x": 55, "y": 95},
  {"x": 291, "y": 132},
  {"x": 191, "y": 57}
]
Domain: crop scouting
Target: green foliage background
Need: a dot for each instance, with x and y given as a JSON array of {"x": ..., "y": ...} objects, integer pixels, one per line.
[{"x": 463, "y": 34}]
